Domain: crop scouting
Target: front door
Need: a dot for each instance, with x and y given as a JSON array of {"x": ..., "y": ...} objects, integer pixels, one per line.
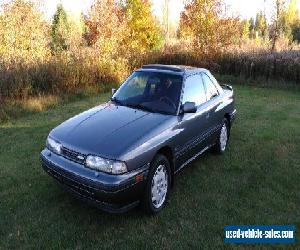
[{"x": 193, "y": 127}]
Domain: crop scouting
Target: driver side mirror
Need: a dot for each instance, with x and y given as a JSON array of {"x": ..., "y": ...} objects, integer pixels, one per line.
[
  {"x": 189, "y": 107},
  {"x": 113, "y": 91}
]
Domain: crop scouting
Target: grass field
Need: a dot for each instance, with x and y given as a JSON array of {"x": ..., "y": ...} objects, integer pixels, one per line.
[{"x": 257, "y": 181}]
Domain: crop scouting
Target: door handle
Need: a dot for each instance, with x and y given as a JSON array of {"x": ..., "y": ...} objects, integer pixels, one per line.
[{"x": 207, "y": 115}]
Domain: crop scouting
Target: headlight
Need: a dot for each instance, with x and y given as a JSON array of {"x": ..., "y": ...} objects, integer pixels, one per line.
[
  {"x": 53, "y": 146},
  {"x": 104, "y": 165}
]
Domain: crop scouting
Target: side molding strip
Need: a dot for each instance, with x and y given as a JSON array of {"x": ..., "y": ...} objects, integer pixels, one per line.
[{"x": 193, "y": 158}]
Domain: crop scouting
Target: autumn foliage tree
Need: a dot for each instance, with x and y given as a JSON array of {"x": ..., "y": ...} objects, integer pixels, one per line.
[
  {"x": 24, "y": 45},
  {"x": 209, "y": 31},
  {"x": 23, "y": 32},
  {"x": 144, "y": 31},
  {"x": 291, "y": 18},
  {"x": 106, "y": 27}
]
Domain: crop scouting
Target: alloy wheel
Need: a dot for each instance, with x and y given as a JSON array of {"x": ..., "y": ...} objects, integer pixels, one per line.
[
  {"x": 223, "y": 137},
  {"x": 159, "y": 186}
]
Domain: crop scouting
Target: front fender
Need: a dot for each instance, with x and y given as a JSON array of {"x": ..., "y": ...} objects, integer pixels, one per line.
[{"x": 144, "y": 151}]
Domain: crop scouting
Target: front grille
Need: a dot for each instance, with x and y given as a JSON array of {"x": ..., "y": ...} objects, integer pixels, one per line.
[{"x": 73, "y": 155}]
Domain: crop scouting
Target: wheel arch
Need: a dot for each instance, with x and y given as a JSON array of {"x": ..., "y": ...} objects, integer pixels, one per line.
[
  {"x": 227, "y": 117},
  {"x": 168, "y": 152}
]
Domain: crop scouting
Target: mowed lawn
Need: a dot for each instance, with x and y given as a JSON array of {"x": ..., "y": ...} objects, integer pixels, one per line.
[{"x": 257, "y": 181}]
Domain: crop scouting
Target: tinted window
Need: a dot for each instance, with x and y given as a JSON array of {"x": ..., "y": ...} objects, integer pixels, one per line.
[
  {"x": 194, "y": 90},
  {"x": 211, "y": 90}
]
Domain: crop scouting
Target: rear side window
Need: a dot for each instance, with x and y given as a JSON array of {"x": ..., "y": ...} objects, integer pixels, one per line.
[
  {"x": 194, "y": 90},
  {"x": 211, "y": 90},
  {"x": 215, "y": 82}
]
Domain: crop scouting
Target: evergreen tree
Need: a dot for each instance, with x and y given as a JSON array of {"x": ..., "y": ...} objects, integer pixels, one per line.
[
  {"x": 245, "y": 29},
  {"x": 296, "y": 32},
  {"x": 261, "y": 24},
  {"x": 252, "y": 27},
  {"x": 66, "y": 31},
  {"x": 60, "y": 29}
]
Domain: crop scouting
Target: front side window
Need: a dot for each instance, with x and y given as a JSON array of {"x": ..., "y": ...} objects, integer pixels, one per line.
[
  {"x": 194, "y": 90},
  {"x": 211, "y": 90},
  {"x": 152, "y": 91}
]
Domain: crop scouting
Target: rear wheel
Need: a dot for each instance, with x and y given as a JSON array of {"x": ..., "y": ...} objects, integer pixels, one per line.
[
  {"x": 222, "y": 141},
  {"x": 158, "y": 185}
]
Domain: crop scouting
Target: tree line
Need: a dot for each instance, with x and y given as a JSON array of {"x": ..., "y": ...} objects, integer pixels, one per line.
[
  {"x": 105, "y": 44},
  {"x": 284, "y": 23}
]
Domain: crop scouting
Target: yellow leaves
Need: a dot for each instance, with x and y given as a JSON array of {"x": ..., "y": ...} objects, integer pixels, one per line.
[
  {"x": 144, "y": 32},
  {"x": 23, "y": 32},
  {"x": 211, "y": 32}
]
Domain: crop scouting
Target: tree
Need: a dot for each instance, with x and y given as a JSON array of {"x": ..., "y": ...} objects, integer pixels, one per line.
[
  {"x": 296, "y": 32},
  {"x": 252, "y": 27},
  {"x": 66, "y": 31},
  {"x": 277, "y": 26},
  {"x": 166, "y": 19},
  {"x": 24, "y": 32},
  {"x": 144, "y": 31},
  {"x": 203, "y": 23},
  {"x": 292, "y": 13},
  {"x": 292, "y": 20},
  {"x": 245, "y": 29},
  {"x": 106, "y": 27},
  {"x": 261, "y": 24},
  {"x": 60, "y": 29}
]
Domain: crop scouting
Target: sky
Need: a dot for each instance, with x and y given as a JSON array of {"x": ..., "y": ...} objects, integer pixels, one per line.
[
  {"x": 246, "y": 9},
  {"x": 242, "y": 8},
  {"x": 76, "y": 6}
]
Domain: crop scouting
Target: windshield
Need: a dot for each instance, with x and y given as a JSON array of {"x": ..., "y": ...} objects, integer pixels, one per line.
[{"x": 150, "y": 91}]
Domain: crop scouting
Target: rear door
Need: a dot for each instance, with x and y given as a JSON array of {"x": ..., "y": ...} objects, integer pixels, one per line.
[{"x": 193, "y": 126}]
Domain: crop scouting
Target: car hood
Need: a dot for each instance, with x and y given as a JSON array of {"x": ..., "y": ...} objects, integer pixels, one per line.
[{"x": 107, "y": 130}]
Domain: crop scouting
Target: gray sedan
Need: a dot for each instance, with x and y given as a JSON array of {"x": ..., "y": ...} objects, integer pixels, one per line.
[{"x": 128, "y": 150}]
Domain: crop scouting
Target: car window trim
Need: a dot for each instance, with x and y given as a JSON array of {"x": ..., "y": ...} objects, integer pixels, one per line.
[
  {"x": 218, "y": 93},
  {"x": 213, "y": 82},
  {"x": 217, "y": 85}
]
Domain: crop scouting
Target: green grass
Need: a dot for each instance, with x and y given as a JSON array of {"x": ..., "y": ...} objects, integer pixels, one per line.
[{"x": 255, "y": 182}]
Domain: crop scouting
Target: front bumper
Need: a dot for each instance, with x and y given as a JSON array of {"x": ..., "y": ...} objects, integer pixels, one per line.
[{"x": 112, "y": 193}]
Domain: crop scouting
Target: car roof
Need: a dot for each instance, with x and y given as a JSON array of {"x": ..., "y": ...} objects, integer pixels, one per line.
[{"x": 173, "y": 69}]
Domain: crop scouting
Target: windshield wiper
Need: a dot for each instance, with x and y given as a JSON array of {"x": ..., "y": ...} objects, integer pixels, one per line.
[
  {"x": 140, "y": 106},
  {"x": 132, "y": 105},
  {"x": 115, "y": 100}
]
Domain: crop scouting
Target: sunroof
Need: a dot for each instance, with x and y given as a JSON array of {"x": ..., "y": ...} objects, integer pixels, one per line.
[{"x": 163, "y": 67}]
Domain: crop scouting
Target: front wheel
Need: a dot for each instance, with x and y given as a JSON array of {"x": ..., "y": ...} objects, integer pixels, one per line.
[
  {"x": 222, "y": 141},
  {"x": 158, "y": 185}
]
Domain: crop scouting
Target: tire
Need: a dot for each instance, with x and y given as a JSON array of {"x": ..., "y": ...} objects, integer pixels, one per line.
[
  {"x": 221, "y": 144},
  {"x": 159, "y": 183}
]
